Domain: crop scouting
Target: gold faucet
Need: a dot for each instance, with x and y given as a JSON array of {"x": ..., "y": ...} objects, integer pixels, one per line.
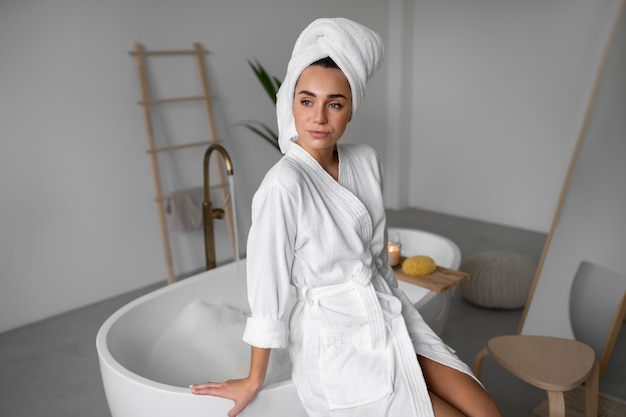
[{"x": 208, "y": 212}]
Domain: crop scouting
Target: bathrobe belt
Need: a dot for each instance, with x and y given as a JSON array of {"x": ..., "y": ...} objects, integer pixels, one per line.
[{"x": 361, "y": 281}]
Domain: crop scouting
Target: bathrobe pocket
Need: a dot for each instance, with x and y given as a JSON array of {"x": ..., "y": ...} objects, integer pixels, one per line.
[{"x": 352, "y": 373}]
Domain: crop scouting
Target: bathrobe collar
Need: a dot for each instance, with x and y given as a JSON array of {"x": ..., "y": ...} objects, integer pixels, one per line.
[{"x": 340, "y": 190}]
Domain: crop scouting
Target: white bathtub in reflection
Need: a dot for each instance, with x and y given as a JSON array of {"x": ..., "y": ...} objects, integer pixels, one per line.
[{"x": 154, "y": 347}]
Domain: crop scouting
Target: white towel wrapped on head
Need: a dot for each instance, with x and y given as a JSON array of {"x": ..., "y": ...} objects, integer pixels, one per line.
[{"x": 357, "y": 50}]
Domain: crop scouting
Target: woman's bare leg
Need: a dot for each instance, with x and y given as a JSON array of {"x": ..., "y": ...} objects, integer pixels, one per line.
[
  {"x": 458, "y": 390},
  {"x": 442, "y": 408}
]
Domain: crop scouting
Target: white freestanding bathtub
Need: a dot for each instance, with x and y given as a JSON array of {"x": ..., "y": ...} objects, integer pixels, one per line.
[{"x": 153, "y": 348}]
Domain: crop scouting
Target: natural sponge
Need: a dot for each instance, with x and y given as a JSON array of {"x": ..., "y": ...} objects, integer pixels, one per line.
[{"x": 418, "y": 266}]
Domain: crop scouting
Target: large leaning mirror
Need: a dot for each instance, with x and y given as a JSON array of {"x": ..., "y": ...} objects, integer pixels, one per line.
[{"x": 590, "y": 221}]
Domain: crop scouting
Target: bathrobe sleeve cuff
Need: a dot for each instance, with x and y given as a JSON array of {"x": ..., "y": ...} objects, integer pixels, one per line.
[{"x": 265, "y": 333}]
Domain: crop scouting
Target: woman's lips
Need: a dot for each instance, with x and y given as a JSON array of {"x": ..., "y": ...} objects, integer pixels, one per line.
[{"x": 318, "y": 134}]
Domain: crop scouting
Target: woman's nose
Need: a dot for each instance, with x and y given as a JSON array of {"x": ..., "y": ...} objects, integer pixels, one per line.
[{"x": 320, "y": 116}]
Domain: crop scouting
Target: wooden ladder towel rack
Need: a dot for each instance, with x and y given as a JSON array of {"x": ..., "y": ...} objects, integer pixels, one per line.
[{"x": 147, "y": 102}]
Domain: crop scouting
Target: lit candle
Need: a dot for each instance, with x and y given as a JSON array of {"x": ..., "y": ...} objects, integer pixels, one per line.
[{"x": 394, "y": 250}]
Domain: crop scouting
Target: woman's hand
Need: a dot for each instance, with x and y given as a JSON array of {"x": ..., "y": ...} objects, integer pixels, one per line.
[{"x": 241, "y": 391}]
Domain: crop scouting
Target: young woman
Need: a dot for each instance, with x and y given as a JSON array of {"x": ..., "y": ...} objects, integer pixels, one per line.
[{"x": 357, "y": 344}]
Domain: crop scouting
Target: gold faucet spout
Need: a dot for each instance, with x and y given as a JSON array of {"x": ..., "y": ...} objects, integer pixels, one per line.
[{"x": 208, "y": 212}]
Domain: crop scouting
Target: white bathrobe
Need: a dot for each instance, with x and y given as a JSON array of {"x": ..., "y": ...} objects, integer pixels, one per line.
[{"x": 352, "y": 334}]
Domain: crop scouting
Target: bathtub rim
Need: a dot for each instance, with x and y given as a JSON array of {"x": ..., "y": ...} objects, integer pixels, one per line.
[{"x": 105, "y": 357}]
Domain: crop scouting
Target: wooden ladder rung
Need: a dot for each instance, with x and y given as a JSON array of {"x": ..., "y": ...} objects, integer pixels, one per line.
[
  {"x": 171, "y": 100},
  {"x": 156, "y": 53},
  {"x": 175, "y": 147}
]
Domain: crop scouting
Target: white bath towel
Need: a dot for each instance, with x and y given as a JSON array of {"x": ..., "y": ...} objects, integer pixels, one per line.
[{"x": 356, "y": 49}]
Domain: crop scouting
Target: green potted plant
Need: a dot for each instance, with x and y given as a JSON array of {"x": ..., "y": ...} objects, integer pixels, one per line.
[{"x": 271, "y": 85}]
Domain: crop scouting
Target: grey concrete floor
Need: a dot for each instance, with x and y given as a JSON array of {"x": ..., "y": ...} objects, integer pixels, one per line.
[{"x": 50, "y": 368}]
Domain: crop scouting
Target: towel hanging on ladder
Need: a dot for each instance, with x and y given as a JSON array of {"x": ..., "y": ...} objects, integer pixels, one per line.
[{"x": 187, "y": 209}]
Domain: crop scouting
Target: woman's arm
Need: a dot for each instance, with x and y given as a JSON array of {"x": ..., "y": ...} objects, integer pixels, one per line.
[{"x": 241, "y": 391}]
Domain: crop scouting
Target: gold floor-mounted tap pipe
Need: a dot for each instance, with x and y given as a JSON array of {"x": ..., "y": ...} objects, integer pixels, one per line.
[{"x": 208, "y": 212}]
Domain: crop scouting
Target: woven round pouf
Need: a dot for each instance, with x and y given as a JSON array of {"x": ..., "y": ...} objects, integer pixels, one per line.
[{"x": 498, "y": 279}]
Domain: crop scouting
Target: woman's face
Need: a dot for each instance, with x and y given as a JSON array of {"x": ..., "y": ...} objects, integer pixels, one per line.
[{"x": 322, "y": 107}]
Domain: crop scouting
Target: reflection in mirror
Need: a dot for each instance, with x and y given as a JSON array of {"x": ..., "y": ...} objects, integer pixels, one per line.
[
  {"x": 597, "y": 304},
  {"x": 590, "y": 220}
]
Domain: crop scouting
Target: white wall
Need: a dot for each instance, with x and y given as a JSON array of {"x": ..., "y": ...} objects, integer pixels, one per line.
[
  {"x": 77, "y": 218},
  {"x": 497, "y": 90},
  {"x": 464, "y": 126}
]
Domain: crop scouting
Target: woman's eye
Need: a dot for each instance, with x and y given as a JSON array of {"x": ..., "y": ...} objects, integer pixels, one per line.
[
  {"x": 305, "y": 102},
  {"x": 336, "y": 105}
]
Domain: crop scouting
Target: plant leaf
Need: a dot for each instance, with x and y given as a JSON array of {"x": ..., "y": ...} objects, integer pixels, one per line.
[
  {"x": 277, "y": 83},
  {"x": 263, "y": 131},
  {"x": 270, "y": 84}
]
